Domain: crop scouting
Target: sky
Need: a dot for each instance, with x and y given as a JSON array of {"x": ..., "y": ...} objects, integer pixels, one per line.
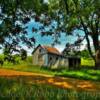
[{"x": 47, "y": 40}]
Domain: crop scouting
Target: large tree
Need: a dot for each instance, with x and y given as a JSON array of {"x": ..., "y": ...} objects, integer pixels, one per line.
[
  {"x": 14, "y": 17},
  {"x": 81, "y": 15},
  {"x": 69, "y": 15}
]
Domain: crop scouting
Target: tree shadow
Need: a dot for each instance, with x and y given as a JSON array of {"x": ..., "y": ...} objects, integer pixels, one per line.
[{"x": 61, "y": 82}]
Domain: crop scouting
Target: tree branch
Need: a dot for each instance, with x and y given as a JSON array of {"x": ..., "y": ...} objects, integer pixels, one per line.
[
  {"x": 88, "y": 41},
  {"x": 66, "y": 4}
]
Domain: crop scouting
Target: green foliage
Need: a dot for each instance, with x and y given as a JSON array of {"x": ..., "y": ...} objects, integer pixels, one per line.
[
  {"x": 85, "y": 54},
  {"x": 87, "y": 62},
  {"x": 79, "y": 15},
  {"x": 23, "y": 54},
  {"x": 19, "y": 88},
  {"x": 29, "y": 60},
  {"x": 1, "y": 59},
  {"x": 69, "y": 15},
  {"x": 1, "y": 56},
  {"x": 14, "y": 15}
]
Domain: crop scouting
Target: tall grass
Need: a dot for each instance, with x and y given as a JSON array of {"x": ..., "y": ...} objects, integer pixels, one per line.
[{"x": 19, "y": 89}]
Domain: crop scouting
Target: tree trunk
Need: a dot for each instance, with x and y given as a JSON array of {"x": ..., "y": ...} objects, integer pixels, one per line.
[
  {"x": 97, "y": 59},
  {"x": 95, "y": 39}
]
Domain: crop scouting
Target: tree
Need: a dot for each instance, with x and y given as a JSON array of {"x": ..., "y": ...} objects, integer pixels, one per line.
[
  {"x": 81, "y": 15},
  {"x": 72, "y": 50},
  {"x": 85, "y": 54},
  {"x": 69, "y": 15},
  {"x": 23, "y": 54},
  {"x": 14, "y": 16}
]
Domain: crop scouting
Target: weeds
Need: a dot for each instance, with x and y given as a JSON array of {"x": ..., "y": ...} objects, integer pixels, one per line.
[{"x": 12, "y": 89}]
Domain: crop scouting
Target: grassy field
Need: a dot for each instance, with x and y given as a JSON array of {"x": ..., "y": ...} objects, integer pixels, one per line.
[
  {"x": 85, "y": 72},
  {"x": 30, "y": 68},
  {"x": 19, "y": 89}
]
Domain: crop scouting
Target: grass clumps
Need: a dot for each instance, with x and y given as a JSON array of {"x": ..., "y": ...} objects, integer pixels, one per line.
[{"x": 18, "y": 88}]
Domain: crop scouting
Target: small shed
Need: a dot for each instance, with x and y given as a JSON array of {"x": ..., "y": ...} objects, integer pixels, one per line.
[
  {"x": 74, "y": 62},
  {"x": 50, "y": 57}
]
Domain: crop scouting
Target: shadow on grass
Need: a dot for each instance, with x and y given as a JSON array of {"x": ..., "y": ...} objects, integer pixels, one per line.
[
  {"x": 46, "y": 88},
  {"x": 19, "y": 88},
  {"x": 86, "y": 73}
]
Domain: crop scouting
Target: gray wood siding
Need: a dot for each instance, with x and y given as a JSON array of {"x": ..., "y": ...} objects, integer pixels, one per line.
[{"x": 38, "y": 57}]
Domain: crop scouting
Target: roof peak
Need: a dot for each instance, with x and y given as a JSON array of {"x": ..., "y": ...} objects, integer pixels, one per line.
[{"x": 51, "y": 49}]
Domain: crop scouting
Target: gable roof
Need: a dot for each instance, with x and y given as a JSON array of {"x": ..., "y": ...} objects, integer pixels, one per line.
[
  {"x": 51, "y": 50},
  {"x": 48, "y": 49}
]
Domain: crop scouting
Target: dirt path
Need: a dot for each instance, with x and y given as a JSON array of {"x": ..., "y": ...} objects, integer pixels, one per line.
[{"x": 52, "y": 80}]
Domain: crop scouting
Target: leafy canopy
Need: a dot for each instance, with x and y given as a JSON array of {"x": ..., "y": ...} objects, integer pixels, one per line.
[{"x": 69, "y": 15}]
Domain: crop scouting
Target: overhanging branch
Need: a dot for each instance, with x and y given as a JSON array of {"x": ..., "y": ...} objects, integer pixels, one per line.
[{"x": 88, "y": 41}]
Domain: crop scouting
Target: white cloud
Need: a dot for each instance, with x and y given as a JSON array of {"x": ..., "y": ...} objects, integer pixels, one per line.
[
  {"x": 29, "y": 50},
  {"x": 84, "y": 44},
  {"x": 60, "y": 47}
]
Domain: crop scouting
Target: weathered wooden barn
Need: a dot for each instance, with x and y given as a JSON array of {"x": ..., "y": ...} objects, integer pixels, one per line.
[{"x": 50, "y": 57}]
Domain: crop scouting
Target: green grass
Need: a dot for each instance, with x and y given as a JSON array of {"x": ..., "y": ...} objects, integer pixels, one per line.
[
  {"x": 30, "y": 68},
  {"x": 19, "y": 89},
  {"x": 85, "y": 74},
  {"x": 87, "y": 62},
  {"x": 86, "y": 71}
]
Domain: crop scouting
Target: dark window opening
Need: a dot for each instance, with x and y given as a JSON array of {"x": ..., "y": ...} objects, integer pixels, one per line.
[
  {"x": 56, "y": 58},
  {"x": 50, "y": 58},
  {"x": 39, "y": 50}
]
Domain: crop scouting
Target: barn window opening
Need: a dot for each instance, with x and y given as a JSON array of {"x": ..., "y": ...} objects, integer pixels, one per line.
[
  {"x": 39, "y": 50},
  {"x": 56, "y": 58},
  {"x": 50, "y": 58}
]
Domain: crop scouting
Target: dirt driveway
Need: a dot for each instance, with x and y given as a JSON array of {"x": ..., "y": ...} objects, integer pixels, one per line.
[{"x": 52, "y": 80}]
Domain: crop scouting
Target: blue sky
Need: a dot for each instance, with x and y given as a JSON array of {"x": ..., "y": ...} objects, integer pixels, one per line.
[{"x": 47, "y": 40}]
